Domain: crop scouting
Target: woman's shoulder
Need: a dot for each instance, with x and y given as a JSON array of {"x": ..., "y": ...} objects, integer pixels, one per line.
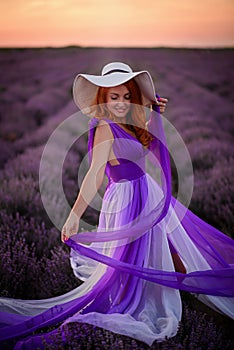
[
  {"x": 95, "y": 121},
  {"x": 103, "y": 129}
]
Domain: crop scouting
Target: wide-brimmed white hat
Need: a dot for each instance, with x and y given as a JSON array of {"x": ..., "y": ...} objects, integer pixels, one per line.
[{"x": 85, "y": 86}]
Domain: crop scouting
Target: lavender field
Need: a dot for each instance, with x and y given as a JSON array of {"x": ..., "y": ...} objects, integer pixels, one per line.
[{"x": 35, "y": 97}]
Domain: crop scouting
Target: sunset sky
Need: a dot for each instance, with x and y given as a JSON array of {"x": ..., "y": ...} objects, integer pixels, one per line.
[{"x": 181, "y": 23}]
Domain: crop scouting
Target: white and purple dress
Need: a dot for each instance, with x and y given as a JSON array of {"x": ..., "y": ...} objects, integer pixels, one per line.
[{"x": 130, "y": 283}]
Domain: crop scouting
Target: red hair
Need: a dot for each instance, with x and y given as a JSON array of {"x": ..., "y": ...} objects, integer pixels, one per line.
[{"x": 136, "y": 118}]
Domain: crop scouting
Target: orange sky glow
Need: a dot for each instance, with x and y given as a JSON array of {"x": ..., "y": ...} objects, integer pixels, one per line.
[{"x": 126, "y": 23}]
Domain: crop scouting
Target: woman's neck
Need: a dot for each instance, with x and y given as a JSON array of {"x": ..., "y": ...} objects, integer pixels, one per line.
[{"x": 121, "y": 120}]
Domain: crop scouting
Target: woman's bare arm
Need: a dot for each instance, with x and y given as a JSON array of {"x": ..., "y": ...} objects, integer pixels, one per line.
[{"x": 93, "y": 179}]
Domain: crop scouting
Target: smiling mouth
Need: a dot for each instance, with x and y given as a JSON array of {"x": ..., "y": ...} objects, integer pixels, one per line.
[{"x": 121, "y": 110}]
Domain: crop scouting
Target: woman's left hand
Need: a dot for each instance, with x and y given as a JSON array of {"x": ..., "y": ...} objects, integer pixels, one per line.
[{"x": 162, "y": 103}]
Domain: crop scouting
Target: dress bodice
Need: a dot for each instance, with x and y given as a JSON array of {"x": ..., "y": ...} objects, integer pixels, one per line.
[{"x": 129, "y": 154}]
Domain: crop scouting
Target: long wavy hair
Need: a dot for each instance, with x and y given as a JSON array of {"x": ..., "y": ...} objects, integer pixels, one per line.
[{"x": 136, "y": 117}]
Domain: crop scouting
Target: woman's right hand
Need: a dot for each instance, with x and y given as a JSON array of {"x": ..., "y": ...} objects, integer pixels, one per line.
[{"x": 70, "y": 227}]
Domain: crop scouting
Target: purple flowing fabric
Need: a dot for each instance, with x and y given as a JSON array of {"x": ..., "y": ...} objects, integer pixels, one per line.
[{"x": 126, "y": 266}]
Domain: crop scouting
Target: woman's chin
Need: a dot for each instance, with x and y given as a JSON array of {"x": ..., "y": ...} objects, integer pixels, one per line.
[{"x": 120, "y": 115}]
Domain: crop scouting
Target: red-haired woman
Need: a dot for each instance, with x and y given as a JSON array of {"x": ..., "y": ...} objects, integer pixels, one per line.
[{"x": 134, "y": 219}]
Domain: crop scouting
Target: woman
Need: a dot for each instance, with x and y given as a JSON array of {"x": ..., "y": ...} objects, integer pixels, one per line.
[{"x": 135, "y": 264}]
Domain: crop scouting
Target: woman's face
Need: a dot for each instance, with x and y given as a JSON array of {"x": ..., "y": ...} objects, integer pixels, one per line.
[{"x": 118, "y": 101}]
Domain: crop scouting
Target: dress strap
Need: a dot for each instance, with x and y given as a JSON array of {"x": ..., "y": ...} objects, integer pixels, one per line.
[{"x": 92, "y": 128}]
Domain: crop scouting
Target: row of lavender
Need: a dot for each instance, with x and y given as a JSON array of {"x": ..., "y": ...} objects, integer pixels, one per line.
[{"x": 34, "y": 101}]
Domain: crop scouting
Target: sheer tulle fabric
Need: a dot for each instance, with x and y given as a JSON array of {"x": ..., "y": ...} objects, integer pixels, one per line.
[{"x": 130, "y": 284}]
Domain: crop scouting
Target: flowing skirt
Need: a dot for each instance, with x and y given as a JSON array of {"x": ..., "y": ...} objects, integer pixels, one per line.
[{"x": 113, "y": 299}]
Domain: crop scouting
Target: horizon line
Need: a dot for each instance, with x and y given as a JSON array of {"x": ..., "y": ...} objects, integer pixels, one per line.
[{"x": 118, "y": 47}]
